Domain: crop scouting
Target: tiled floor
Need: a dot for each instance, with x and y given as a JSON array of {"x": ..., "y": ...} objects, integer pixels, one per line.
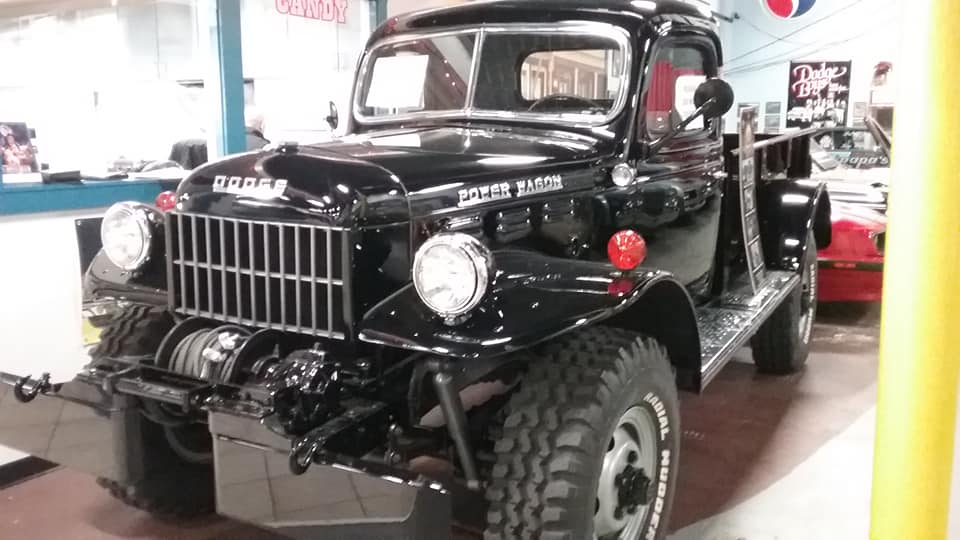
[{"x": 763, "y": 457}]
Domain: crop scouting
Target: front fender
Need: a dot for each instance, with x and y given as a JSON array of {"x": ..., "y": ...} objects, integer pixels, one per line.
[
  {"x": 788, "y": 210},
  {"x": 532, "y": 298},
  {"x": 102, "y": 279}
]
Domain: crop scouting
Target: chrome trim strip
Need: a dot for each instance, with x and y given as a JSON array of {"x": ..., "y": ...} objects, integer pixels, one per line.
[
  {"x": 236, "y": 261},
  {"x": 196, "y": 270},
  {"x": 346, "y": 272},
  {"x": 207, "y": 238},
  {"x": 183, "y": 269},
  {"x": 252, "y": 269},
  {"x": 258, "y": 273},
  {"x": 283, "y": 279},
  {"x": 474, "y": 72},
  {"x": 255, "y": 222},
  {"x": 313, "y": 278},
  {"x": 223, "y": 271},
  {"x": 296, "y": 281},
  {"x": 592, "y": 28},
  {"x": 268, "y": 316},
  {"x": 168, "y": 243},
  {"x": 329, "y": 276}
]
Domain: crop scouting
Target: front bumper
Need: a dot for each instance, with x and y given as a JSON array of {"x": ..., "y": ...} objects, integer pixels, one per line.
[
  {"x": 80, "y": 428},
  {"x": 93, "y": 424},
  {"x": 348, "y": 499}
]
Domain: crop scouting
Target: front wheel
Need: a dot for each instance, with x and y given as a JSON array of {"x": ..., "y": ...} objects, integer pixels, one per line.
[
  {"x": 782, "y": 344},
  {"x": 590, "y": 443}
]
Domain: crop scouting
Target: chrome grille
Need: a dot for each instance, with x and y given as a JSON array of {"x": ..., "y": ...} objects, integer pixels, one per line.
[{"x": 286, "y": 276}]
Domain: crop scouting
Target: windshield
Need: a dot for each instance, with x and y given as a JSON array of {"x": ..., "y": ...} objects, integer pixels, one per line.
[
  {"x": 575, "y": 73},
  {"x": 821, "y": 158}
]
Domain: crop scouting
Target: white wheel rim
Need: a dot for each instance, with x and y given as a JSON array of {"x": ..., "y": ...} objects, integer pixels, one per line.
[
  {"x": 633, "y": 446},
  {"x": 808, "y": 302}
]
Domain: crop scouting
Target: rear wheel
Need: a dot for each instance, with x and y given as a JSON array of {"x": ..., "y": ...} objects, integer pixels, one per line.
[
  {"x": 590, "y": 443},
  {"x": 782, "y": 344},
  {"x": 177, "y": 479}
]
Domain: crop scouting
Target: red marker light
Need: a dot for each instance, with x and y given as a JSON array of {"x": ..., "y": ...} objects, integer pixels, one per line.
[
  {"x": 626, "y": 249},
  {"x": 166, "y": 201}
]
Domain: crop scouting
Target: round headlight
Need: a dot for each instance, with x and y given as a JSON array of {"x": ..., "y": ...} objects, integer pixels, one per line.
[
  {"x": 126, "y": 235},
  {"x": 451, "y": 273}
]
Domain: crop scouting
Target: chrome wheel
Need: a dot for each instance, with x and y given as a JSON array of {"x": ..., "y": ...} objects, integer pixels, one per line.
[
  {"x": 627, "y": 484},
  {"x": 808, "y": 299}
]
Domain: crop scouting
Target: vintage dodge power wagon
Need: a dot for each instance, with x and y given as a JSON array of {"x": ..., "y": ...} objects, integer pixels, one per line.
[{"x": 475, "y": 308}]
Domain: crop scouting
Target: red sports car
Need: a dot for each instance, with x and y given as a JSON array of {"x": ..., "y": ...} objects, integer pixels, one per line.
[{"x": 851, "y": 267}]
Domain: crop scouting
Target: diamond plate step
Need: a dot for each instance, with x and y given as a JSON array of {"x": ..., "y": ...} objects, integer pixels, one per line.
[{"x": 729, "y": 321}]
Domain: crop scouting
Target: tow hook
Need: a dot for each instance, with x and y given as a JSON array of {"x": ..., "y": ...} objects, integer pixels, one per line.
[{"x": 27, "y": 389}]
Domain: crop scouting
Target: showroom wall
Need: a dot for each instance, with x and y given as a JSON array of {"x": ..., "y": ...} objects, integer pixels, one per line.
[
  {"x": 124, "y": 77},
  {"x": 758, "y": 47}
]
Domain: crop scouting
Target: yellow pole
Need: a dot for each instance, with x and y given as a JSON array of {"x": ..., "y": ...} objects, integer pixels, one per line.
[{"x": 920, "y": 322}]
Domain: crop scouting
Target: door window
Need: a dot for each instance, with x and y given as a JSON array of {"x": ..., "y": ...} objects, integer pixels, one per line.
[{"x": 675, "y": 73}]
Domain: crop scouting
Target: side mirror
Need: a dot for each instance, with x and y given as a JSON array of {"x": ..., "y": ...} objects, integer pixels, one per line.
[
  {"x": 333, "y": 117},
  {"x": 714, "y": 96}
]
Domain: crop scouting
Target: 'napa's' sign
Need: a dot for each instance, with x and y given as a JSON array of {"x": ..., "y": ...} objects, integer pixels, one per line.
[{"x": 322, "y": 10}]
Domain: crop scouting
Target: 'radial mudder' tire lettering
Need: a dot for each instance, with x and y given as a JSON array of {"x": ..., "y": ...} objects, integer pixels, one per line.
[
  {"x": 662, "y": 483},
  {"x": 664, "y": 422}
]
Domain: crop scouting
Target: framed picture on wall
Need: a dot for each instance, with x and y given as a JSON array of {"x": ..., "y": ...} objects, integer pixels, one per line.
[{"x": 17, "y": 153}]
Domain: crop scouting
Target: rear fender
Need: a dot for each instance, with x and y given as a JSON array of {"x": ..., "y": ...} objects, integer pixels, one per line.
[
  {"x": 788, "y": 211},
  {"x": 534, "y": 298}
]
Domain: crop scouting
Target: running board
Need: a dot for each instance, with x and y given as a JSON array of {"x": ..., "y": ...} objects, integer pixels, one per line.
[{"x": 728, "y": 322}]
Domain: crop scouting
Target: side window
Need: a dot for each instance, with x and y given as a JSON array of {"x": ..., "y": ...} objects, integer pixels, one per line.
[{"x": 675, "y": 73}]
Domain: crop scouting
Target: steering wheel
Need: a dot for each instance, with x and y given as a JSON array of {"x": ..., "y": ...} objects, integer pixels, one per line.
[{"x": 564, "y": 101}]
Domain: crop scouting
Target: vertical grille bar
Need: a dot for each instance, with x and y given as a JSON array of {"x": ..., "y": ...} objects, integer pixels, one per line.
[
  {"x": 183, "y": 267},
  {"x": 236, "y": 262},
  {"x": 346, "y": 247},
  {"x": 253, "y": 277},
  {"x": 207, "y": 242},
  {"x": 329, "y": 273},
  {"x": 313, "y": 279},
  {"x": 223, "y": 268},
  {"x": 168, "y": 242},
  {"x": 283, "y": 279},
  {"x": 266, "y": 266},
  {"x": 196, "y": 268},
  {"x": 296, "y": 281}
]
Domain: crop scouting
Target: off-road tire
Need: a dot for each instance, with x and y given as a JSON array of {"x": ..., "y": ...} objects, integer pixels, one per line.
[
  {"x": 558, "y": 427},
  {"x": 782, "y": 345},
  {"x": 170, "y": 487}
]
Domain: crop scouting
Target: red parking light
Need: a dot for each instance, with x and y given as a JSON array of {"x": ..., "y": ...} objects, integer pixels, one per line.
[
  {"x": 626, "y": 249},
  {"x": 166, "y": 201}
]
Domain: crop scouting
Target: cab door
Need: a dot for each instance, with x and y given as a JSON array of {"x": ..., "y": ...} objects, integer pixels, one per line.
[{"x": 676, "y": 198}]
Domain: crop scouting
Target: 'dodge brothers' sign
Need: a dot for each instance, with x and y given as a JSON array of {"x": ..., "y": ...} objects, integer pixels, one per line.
[
  {"x": 818, "y": 94},
  {"x": 323, "y": 10}
]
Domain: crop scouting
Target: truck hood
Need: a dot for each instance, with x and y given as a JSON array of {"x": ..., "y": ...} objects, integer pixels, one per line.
[{"x": 378, "y": 178}]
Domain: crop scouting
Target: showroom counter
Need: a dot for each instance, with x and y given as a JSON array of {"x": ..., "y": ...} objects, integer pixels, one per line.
[{"x": 37, "y": 197}]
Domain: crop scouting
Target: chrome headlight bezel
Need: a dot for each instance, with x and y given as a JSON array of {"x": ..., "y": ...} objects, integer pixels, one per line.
[
  {"x": 144, "y": 219},
  {"x": 481, "y": 263}
]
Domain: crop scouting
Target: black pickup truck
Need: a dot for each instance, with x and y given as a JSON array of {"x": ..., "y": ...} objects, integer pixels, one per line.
[{"x": 477, "y": 307}]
